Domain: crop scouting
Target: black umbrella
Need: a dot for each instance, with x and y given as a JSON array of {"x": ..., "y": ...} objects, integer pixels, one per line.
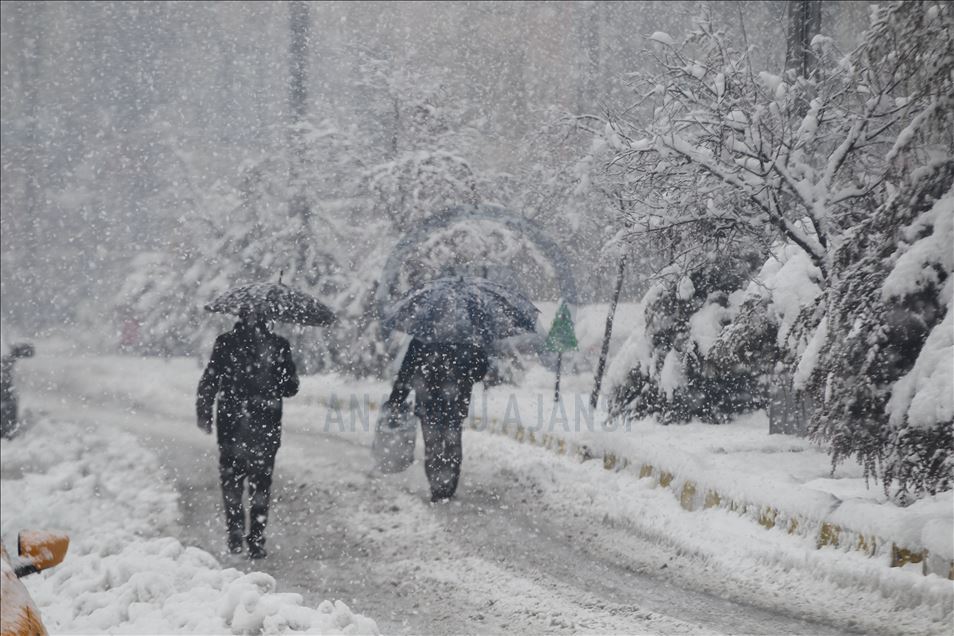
[
  {"x": 462, "y": 309},
  {"x": 274, "y": 301}
]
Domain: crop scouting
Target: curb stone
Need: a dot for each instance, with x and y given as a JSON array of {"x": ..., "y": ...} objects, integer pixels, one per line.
[{"x": 694, "y": 497}]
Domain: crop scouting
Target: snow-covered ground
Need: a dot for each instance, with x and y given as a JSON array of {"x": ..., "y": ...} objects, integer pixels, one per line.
[
  {"x": 122, "y": 573},
  {"x": 739, "y": 460},
  {"x": 535, "y": 542}
]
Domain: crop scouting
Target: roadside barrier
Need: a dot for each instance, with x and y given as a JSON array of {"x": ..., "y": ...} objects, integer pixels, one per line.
[{"x": 693, "y": 496}]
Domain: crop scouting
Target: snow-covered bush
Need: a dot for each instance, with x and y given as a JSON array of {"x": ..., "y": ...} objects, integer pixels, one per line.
[
  {"x": 675, "y": 370},
  {"x": 762, "y": 336}
]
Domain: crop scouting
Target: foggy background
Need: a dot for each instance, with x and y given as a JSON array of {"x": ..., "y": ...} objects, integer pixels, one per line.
[{"x": 116, "y": 116}]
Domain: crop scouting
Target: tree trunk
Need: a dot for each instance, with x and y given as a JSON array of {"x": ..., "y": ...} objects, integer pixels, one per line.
[
  {"x": 297, "y": 103},
  {"x": 804, "y": 23},
  {"x": 588, "y": 65},
  {"x": 29, "y": 294},
  {"x": 789, "y": 412},
  {"x": 556, "y": 390},
  {"x": 601, "y": 365}
]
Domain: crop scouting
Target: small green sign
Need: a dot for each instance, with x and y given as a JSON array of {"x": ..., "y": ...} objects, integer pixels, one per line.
[{"x": 561, "y": 337}]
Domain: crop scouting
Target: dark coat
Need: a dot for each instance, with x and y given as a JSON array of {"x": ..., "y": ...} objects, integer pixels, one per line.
[
  {"x": 442, "y": 376},
  {"x": 251, "y": 370}
]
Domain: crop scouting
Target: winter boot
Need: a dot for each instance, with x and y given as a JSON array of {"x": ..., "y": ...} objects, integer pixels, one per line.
[
  {"x": 256, "y": 534},
  {"x": 235, "y": 541},
  {"x": 257, "y": 550}
]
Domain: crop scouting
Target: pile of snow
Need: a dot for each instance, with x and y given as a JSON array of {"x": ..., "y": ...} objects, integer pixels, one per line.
[
  {"x": 723, "y": 550},
  {"x": 120, "y": 575}
]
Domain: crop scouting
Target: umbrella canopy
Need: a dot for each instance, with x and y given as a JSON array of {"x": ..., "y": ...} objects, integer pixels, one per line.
[
  {"x": 274, "y": 301},
  {"x": 462, "y": 309}
]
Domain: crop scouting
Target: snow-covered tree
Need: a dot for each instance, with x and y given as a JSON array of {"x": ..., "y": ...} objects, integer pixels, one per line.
[
  {"x": 722, "y": 131},
  {"x": 421, "y": 159},
  {"x": 879, "y": 363},
  {"x": 735, "y": 157},
  {"x": 567, "y": 194},
  {"x": 244, "y": 232},
  {"x": 424, "y": 148},
  {"x": 763, "y": 334}
]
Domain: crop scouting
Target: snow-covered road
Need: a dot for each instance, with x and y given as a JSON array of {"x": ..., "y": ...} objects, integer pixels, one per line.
[{"x": 525, "y": 547}]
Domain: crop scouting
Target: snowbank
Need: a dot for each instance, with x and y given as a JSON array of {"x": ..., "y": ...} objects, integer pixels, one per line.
[
  {"x": 739, "y": 460},
  {"x": 725, "y": 549},
  {"x": 120, "y": 575}
]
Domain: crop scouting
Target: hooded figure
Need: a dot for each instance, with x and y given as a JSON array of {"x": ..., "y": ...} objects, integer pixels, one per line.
[
  {"x": 250, "y": 371},
  {"x": 442, "y": 376}
]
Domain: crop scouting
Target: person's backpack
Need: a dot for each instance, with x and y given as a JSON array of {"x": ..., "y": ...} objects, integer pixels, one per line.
[{"x": 395, "y": 434}]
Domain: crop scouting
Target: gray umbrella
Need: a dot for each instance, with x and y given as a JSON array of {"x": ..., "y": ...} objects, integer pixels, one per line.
[
  {"x": 462, "y": 309},
  {"x": 275, "y": 301}
]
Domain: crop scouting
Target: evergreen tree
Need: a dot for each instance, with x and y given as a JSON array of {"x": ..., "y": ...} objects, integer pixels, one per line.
[{"x": 882, "y": 386}]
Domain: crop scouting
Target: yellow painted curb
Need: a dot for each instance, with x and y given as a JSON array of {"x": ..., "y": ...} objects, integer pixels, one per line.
[
  {"x": 829, "y": 535},
  {"x": 793, "y": 525},
  {"x": 901, "y": 556},
  {"x": 868, "y": 545},
  {"x": 769, "y": 517},
  {"x": 687, "y": 498}
]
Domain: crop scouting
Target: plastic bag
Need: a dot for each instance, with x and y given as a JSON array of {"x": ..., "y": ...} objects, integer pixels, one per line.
[{"x": 394, "y": 437}]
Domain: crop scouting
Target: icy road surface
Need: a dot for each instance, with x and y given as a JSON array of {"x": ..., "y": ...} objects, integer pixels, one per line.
[{"x": 523, "y": 548}]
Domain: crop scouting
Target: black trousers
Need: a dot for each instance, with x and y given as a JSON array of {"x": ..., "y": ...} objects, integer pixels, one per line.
[
  {"x": 443, "y": 452},
  {"x": 238, "y": 465}
]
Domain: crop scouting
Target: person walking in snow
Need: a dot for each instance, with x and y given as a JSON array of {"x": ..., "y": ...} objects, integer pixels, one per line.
[
  {"x": 442, "y": 376},
  {"x": 250, "y": 371}
]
